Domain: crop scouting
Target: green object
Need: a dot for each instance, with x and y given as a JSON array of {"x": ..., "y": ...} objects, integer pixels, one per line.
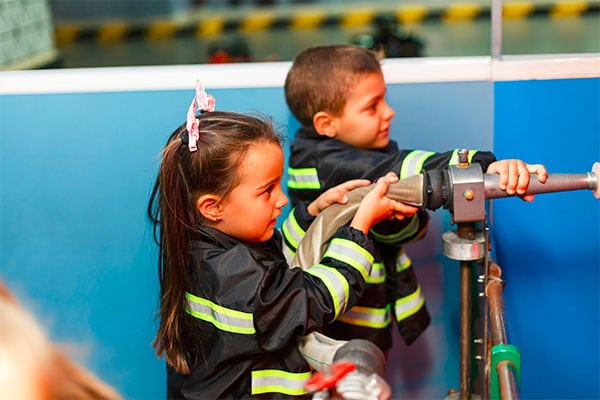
[{"x": 504, "y": 352}]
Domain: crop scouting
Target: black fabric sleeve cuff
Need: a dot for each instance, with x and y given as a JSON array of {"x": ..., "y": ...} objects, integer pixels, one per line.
[{"x": 303, "y": 218}]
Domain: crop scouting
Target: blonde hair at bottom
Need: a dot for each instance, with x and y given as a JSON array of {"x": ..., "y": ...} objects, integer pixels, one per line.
[{"x": 32, "y": 367}]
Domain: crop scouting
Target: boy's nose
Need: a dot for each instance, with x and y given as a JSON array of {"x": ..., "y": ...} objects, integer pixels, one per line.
[{"x": 389, "y": 111}]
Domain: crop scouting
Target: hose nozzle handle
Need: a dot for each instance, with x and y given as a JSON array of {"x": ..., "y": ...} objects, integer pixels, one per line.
[{"x": 554, "y": 183}]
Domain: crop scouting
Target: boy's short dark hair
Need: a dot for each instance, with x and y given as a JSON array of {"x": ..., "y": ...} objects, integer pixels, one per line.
[{"x": 321, "y": 76}]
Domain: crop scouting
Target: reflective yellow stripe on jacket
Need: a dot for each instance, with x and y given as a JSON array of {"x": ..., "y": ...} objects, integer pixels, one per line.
[
  {"x": 371, "y": 317},
  {"x": 303, "y": 178},
  {"x": 402, "y": 260},
  {"x": 338, "y": 287},
  {"x": 409, "y": 305},
  {"x": 223, "y": 318},
  {"x": 292, "y": 231},
  {"x": 413, "y": 163},
  {"x": 351, "y": 253},
  {"x": 378, "y": 274},
  {"x": 278, "y": 381}
]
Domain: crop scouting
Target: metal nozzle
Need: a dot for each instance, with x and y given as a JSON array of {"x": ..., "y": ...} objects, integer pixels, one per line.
[{"x": 554, "y": 183}]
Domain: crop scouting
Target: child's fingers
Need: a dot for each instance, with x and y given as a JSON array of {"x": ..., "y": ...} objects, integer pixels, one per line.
[
  {"x": 522, "y": 178},
  {"x": 402, "y": 210},
  {"x": 382, "y": 186},
  {"x": 540, "y": 170},
  {"x": 512, "y": 177},
  {"x": 500, "y": 168},
  {"x": 338, "y": 194},
  {"x": 391, "y": 177},
  {"x": 528, "y": 197},
  {"x": 405, "y": 209},
  {"x": 354, "y": 183}
]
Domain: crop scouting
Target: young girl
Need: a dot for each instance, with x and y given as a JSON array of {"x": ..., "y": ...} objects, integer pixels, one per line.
[{"x": 230, "y": 306}]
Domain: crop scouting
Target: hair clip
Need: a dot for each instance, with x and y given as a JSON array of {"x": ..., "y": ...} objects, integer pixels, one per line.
[{"x": 202, "y": 102}]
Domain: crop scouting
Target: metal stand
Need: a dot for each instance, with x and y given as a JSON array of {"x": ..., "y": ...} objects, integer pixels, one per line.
[
  {"x": 469, "y": 245},
  {"x": 489, "y": 365}
]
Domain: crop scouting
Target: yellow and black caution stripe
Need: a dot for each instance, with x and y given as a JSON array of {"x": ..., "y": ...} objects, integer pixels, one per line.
[{"x": 263, "y": 20}]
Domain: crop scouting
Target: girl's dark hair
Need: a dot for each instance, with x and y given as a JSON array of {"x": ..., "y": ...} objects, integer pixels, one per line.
[{"x": 183, "y": 176}]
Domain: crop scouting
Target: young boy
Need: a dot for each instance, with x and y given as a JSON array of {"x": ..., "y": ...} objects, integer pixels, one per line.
[{"x": 337, "y": 93}]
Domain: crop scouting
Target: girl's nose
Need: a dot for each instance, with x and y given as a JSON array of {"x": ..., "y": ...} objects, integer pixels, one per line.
[{"x": 283, "y": 200}]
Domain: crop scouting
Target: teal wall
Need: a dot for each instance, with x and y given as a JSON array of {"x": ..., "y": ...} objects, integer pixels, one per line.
[{"x": 76, "y": 171}]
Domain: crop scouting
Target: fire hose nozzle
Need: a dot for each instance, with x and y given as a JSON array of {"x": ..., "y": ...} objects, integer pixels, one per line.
[{"x": 554, "y": 183}]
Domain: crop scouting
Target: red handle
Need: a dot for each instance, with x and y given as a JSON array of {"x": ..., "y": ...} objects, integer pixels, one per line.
[{"x": 328, "y": 378}]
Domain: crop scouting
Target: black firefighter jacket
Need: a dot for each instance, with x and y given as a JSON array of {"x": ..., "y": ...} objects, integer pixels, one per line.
[
  {"x": 393, "y": 295},
  {"x": 247, "y": 307}
]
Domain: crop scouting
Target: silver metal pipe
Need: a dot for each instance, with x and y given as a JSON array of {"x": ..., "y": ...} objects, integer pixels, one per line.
[{"x": 554, "y": 183}]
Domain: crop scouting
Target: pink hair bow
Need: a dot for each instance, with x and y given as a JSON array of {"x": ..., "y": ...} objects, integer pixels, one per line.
[{"x": 202, "y": 102}]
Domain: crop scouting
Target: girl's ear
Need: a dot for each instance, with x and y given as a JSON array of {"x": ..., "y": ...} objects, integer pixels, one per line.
[
  {"x": 325, "y": 124},
  {"x": 210, "y": 207}
]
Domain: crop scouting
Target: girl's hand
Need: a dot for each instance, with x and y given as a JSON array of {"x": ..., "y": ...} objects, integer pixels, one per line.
[
  {"x": 336, "y": 194},
  {"x": 376, "y": 206},
  {"x": 515, "y": 175}
]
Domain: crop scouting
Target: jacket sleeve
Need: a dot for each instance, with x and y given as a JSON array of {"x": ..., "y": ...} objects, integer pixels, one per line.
[
  {"x": 293, "y": 301},
  {"x": 294, "y": 227}
]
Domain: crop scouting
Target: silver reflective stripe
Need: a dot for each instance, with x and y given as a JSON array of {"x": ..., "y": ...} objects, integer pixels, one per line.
[
  {"x": 336, "y": 284},
  {"x": 352, "y": 254},
  {"x": 303, "y": 178},
  {"x": 367, "y": 316},
  {"x": 409, "y": 305},
  {"x": 454, "y": 158},
  {"x": 377, "y": 274},
  {"x": 278, "y": 381},
  {"x": 402, "y": 260},
  {"x": 413, "y": 163},
  {"x": 406, "y": 232},
  {"x": 292, "y": 231},
  {"x": 225, "y": 319}
]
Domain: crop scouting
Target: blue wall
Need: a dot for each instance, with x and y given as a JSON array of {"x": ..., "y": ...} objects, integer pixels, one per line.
[
  {"x": 76, "y": 171},
  {"x": 550, "y": 250}
]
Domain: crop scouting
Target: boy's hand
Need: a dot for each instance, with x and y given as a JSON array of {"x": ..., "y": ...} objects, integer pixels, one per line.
[
  {"x": 376, "y": 206},
  {"x": 336, "y": 194},
  {"x": 515, "y": 175}
]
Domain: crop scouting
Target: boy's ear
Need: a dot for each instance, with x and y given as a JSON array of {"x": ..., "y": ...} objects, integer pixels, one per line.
[
  {"x": 325, "y": 124},
  {"x": 210, "y": 207}
]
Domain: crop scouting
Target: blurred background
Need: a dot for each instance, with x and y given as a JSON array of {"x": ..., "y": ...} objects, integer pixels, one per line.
[{"x": 95, "y": 33}]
